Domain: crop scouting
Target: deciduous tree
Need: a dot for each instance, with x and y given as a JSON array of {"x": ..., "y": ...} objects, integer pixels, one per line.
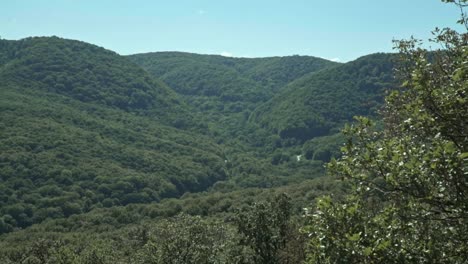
[{"x": 410, "y": 198}]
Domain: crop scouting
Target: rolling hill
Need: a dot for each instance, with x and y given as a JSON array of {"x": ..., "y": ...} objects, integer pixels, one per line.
[
  {"x": 82, "y": 127},
  {"x": 224, "y": 91},
  {"x": 95, "y": 142},
  {"x": 319, "y": 103},
  {"x": 218, "y": 83}
]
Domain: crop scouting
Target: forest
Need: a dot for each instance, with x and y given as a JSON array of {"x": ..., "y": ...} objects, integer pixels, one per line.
[{"x": 175, "y": 157}]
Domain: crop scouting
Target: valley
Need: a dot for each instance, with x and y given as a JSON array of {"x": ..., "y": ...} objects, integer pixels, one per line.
[{"x": 173, "y": 157}]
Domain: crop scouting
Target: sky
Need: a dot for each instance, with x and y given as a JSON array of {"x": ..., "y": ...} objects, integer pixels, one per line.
[{"x": 339, "y": 30}]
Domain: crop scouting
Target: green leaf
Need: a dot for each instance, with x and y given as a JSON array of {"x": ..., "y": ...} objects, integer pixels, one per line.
[
  {"x": 354, "y": 237},
  {"x": 367, "y": 251}
]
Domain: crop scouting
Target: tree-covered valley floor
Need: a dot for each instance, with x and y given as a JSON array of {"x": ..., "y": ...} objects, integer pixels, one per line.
[{"x": 173, "y": 157}]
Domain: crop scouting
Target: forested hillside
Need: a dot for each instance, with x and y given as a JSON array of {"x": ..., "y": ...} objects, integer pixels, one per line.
[
  {"x": 72, "y": 140},
  {"x": 84, "y": 128},
  {"x": 226, "y": 90},
  {"x": 281, "y": 102},
  {"x": 320, "y": 103},
  {"x": 87, "y": 73},
  {"x": 172, "y": 157},
  {"x": 214, "y": 75}
]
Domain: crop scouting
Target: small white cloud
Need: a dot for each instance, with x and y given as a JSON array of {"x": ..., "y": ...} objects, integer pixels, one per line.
[
  {"x": 226, "y": 54},
  {"x": 336, "y": 59},
  {"x": 201, "y": 12}
]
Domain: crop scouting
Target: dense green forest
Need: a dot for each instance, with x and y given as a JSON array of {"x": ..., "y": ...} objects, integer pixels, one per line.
[
  {"x": 87, "y": 133},
  {"x": 173, "y": 157},
  {"x": 321, "y": 102},
  {"x": 70, "y": 148},
  {"x": 225, "y": 91}
]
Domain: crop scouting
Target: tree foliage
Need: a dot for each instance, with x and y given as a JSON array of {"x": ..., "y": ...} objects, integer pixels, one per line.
[
  {"x": 267, "y": 229},
  {"x": 410, "y": 194}
]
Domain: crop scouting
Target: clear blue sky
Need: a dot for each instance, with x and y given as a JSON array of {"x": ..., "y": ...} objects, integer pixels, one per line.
[{"x": 339, "y": 29}]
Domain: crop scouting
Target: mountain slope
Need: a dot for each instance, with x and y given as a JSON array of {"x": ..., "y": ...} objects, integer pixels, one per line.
[
  {"x": 276, "y": 72},
  {"x": 244, "y": 81},
  {"x": 224, "y": 91},
  {"x": 84, "y": 128},
  {"x": 212, "y": 79},
  {"x": 88, "y": 73},
  {"x": 319, "y": 103},
  {"x": 79, "y": 140}
]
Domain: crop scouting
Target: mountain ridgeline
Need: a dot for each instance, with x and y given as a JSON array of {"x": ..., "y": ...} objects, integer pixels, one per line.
[
  {"x": 226, "y": 77},
  {"x": 83, "y": 129}
]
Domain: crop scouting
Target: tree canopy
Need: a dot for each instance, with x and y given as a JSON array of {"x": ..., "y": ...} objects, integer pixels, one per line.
[{"x": 410, "y": 195}]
